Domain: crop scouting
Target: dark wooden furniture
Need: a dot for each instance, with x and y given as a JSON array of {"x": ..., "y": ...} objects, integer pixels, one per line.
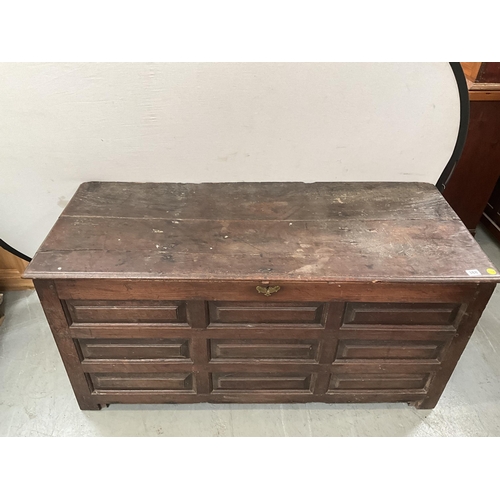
[
  {"x": 491, "y": 214},
  {"x": 260, "y": 292},
  {"x": 478, "y": 169}
]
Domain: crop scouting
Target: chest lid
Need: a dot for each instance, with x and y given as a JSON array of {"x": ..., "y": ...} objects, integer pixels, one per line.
[{"x": 360, "y": 231}]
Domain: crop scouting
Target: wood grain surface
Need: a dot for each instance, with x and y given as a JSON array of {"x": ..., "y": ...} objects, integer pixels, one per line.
[{"x": 275, "y": 231}]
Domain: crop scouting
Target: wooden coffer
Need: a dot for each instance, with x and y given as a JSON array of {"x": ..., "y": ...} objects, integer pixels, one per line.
[{"x": 260, "y": 292}]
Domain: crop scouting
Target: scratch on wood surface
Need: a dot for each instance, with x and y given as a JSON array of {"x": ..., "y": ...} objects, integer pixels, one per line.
[{"x": 309, "y": 268}]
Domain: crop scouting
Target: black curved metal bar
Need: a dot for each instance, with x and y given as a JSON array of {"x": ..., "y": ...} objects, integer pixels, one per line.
[{"x": 463, "y": 93}]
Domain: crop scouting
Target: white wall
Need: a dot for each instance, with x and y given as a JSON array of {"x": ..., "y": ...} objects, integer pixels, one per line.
[{"x": 62, "y": 124}]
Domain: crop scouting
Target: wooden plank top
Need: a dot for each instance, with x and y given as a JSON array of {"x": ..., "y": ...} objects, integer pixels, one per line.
[{"x": 358, "y": 231}]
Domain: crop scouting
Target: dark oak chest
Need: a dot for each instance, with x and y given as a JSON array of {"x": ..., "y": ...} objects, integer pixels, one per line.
[{"x": 260, "y": 292}]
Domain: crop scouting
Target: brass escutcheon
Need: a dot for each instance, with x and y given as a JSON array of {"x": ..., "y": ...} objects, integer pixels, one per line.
[{"x": 267, "y": 290}]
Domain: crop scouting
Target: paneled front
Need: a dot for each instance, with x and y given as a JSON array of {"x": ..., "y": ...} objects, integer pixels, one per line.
[
  {"x": 246, "y": 349},
  {"x": 186, "y": 350}
]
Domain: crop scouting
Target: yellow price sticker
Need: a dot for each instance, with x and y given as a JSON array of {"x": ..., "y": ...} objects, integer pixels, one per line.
[{"x": 490, "y": 271}]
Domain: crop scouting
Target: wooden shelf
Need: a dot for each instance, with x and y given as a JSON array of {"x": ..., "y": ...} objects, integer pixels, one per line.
[{"x": 482, "y": 80}]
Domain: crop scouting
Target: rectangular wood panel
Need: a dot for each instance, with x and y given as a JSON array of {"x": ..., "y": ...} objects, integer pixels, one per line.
[
  {"x": 317, "y": 232},
  {"x": 126, "y": 311},
  {"x": 377, "y": 381},
  {"x": 140, "y": 289},
  {"x": 249, "y": 382},
  {"x": 259, "y": 200},
  {"x": 260, "y": 349},
  {"x": 134, "y": 349},
  {"x": 270, "y": 313},
  {"x": 373, "y": 313},
  {"x": 369, "y": 250},
  {"x": 142, "y": 381},
  {"x": 128, "y": 330},
  {"x": 380, "y": 349}
]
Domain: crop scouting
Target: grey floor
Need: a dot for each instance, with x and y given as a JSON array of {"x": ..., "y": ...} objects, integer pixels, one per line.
[{"x": 36, "y": 398}]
